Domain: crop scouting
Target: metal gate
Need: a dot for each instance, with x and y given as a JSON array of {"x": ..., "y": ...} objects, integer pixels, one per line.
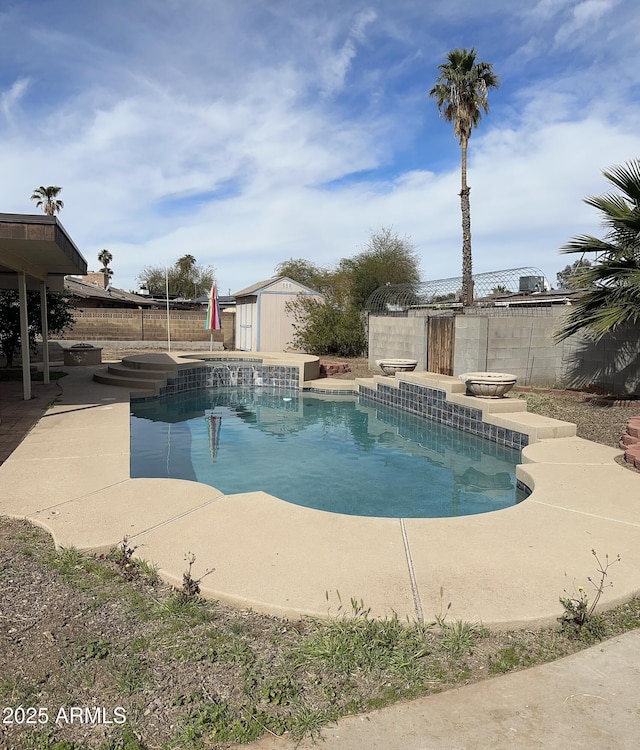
[{"x": 441, "y": 344}]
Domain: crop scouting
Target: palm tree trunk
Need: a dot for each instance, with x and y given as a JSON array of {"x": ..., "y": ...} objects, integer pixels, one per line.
[{"x": 467, "y": 276}]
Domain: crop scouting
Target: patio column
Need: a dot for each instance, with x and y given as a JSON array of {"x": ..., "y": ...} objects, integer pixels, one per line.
[
  {"x": 45, "y": 331},
  {"x": 24, "y": 336}
]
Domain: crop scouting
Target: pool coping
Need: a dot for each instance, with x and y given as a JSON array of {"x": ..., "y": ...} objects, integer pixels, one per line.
[{"x": 505, "y": 569}]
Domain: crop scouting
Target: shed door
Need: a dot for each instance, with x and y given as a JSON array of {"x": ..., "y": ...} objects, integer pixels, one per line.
[
  {"x": 441, "y": 344},
  {"x": 245, "y": 326}
]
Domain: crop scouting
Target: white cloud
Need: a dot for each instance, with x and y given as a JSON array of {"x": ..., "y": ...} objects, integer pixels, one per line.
[
  {"x": 526, "y": 198},
  {"x": 545, "y": 10},
  {"x": 584, "y": 21},
  {"x": 9, "y": 99},
  {"x": 336, "y": 64},
  {"x": 248, "y": 139}
]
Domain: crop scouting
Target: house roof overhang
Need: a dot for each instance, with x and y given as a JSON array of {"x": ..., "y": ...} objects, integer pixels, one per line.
[{"x": 39, "y": 247}]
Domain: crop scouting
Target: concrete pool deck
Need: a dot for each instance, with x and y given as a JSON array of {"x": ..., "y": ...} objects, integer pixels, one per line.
[
  {"x": 505, "y": 569},
  {"x": 71, "y": 475}
]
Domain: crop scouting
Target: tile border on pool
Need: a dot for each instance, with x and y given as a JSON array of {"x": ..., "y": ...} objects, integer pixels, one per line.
[{"x": 432, "y": 403}]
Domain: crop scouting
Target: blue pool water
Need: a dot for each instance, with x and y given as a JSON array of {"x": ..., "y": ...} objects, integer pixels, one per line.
[{"x": 342, "y": 454}]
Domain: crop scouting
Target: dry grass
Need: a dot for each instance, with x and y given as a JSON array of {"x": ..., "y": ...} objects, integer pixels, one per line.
[{"x": 189, "y": 673}]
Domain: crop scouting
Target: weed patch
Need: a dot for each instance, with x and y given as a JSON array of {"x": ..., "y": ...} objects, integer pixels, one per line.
[{"x": 193, "y": 673}]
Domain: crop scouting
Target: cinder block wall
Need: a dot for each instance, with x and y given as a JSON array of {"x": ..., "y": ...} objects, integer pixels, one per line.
[
  {"x": 404, "y": 338},
  {"x": 525, "y": 347},
  {"x": 471, "y": 344},
  {"x": 147, "y": 325},
  {"x": 611, "y": 364},
  {"x": 520, "y": 342}
]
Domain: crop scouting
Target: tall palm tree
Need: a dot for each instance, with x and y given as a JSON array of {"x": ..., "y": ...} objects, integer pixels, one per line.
[
  {"x": 461, "y": 93},
  {"x": 105, "y": 257},
  {"x": 612, "y": 298},
  {"x": 47, "y": 199}
]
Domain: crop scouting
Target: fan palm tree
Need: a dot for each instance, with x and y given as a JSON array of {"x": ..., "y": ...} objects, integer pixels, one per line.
[
  {"x": 105, "y": 257},
  {"x": 185, "y": 264},
  {"x": 47, "y": 199},
  {"x": 461, "y": 93},
  {"x": 612, "y": 298}
]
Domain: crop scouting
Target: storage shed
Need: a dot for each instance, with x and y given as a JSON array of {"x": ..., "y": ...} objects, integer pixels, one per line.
[{"x": 262, "y": 321}]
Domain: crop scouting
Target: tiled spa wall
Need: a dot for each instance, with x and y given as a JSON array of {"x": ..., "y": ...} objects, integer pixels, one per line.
[{"x": 224, "y": 373}]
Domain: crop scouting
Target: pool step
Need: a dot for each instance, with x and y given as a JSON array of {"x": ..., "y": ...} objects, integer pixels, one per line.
[
  {"x": 137, "y": 374},
  {"x": 123, "y": 370},
  {"x": 150, "y": 386}
]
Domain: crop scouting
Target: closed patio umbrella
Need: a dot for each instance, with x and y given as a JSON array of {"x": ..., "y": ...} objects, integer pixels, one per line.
[{"x": 212, "y": 322}]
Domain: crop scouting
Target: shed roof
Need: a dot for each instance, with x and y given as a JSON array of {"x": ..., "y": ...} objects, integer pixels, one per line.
[{"x": 262, "y": 286}]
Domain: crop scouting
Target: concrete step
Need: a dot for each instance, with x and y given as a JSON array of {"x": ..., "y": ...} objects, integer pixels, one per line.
[
  {"x": 151, "y": 386},
  {"x": 121, "y": 369},
  {"x": 160, "y": 361}
]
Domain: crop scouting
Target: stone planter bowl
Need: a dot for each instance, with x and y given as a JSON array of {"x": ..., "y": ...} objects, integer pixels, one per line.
[
  {"x": 392, "y": 366},
  {"x": 488, "y": 384}
]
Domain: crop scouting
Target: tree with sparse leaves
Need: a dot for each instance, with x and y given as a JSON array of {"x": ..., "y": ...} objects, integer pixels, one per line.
[
  {"x": 571, "y": 277},
  {"x": 47, "y": 199},
  {"x": 324, "y": 327},
  {"x": 461, "y": 94},
  {"x": 386, "y": 259},
  {"x": 306, "y": 273},
  {"x": 336, "y": 325},
  {"x": 186, "y": 278}
]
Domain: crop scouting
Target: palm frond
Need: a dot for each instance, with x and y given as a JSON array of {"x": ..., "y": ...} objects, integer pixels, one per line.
[
  {"x": 626, "y": 177},
  {"x": 612, "y": 298},
  {"x": 586, "y": 243}
]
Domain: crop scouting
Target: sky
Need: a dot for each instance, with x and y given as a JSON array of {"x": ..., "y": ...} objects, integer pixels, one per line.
[{"x": 249, "y": 132}]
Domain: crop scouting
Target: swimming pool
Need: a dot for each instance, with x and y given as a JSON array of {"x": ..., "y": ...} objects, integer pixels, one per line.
[{"x": 338, "y": 454}]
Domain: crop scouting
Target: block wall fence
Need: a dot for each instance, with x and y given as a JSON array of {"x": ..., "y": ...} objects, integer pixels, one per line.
[
  {"x": 117, "y": 324},
  {"x": 519, "y": 342}
]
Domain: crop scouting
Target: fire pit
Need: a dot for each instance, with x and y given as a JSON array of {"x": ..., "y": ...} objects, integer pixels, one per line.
[{"x": 82, "y": 355}]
